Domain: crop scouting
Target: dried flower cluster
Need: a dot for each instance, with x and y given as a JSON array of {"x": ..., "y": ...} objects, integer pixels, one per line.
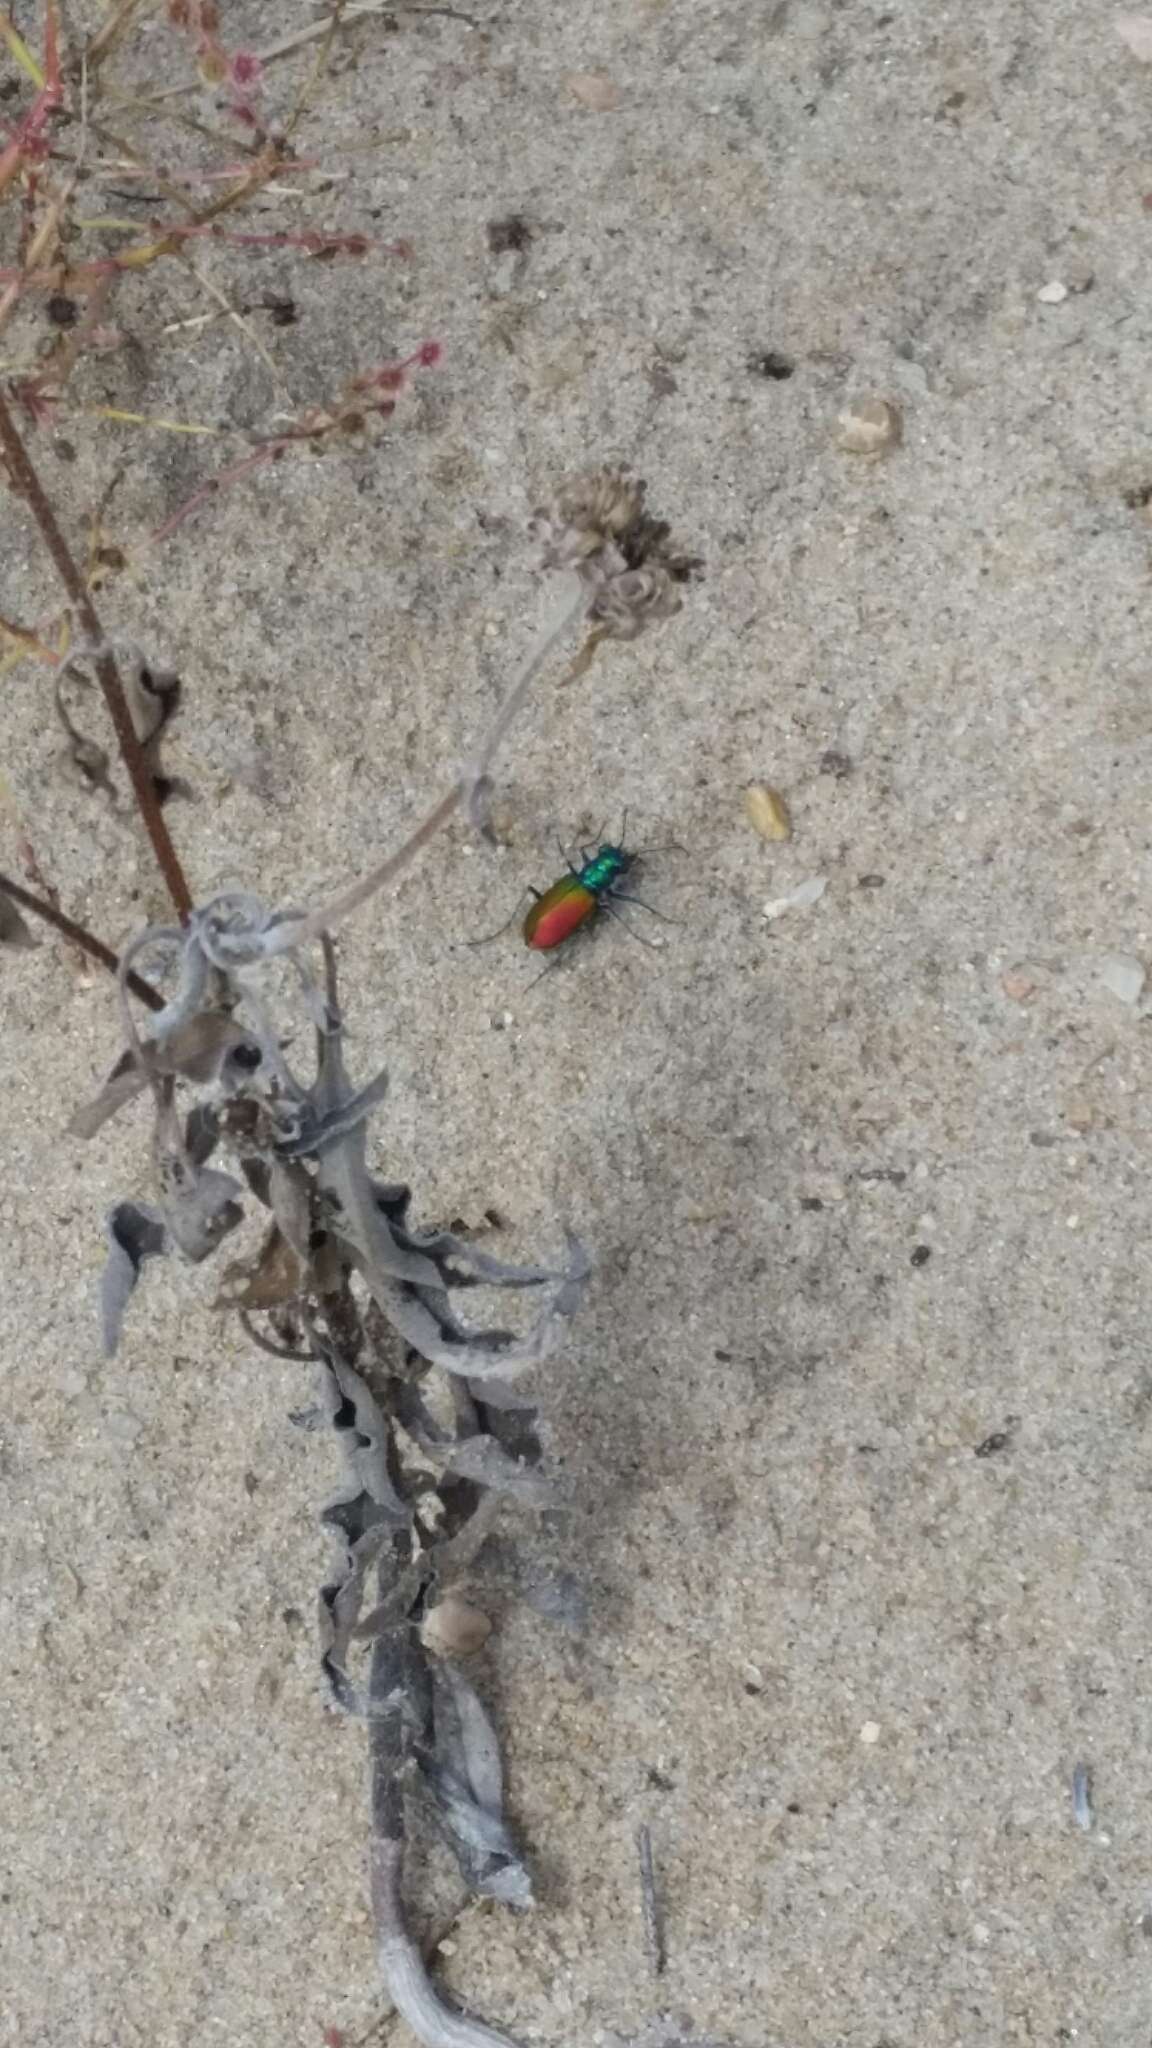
[{"x": 599, "y": 528}]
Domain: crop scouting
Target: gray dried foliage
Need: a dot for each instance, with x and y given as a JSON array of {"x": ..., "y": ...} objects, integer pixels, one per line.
[{"x": 423, "y": 1404}]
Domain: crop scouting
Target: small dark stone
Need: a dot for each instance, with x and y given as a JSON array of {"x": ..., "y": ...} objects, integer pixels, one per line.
[
  {"x": 921, "y": 1255},
  {"x": 793, "y": 1806},
  {"x": 771, "y": 365},
  {"x": 291, "y": 1617},
  {"x": 513, "y": 232},
  {"x": 753, "y": 1691},
  {"x": 998, "y": 1441},
  {"x": 723, "y": 1357},
  {"x": 659, "y": 1781},
  {"x": 871, "y": 882},
  {"x": 811, "y": 1202},
  {"x": 63, "y": 450},
  {"x": 62, "y": 311},
  {"x": 837, "y": 764}
]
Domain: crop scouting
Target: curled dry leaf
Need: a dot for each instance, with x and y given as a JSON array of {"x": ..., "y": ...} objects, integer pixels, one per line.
[
  {"x": 767, "y": 812},
  {"x": 135, "y": 1233}
]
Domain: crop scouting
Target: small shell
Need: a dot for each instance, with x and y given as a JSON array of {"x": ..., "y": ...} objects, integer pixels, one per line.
[
  {"x": 767, "y": 812},
  {"x": 870, "y": 426},
  {"x": 454, "y": 1628}
]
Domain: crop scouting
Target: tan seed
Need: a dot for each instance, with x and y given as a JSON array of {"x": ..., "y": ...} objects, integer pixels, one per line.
[{"x": 767, "y": 812}]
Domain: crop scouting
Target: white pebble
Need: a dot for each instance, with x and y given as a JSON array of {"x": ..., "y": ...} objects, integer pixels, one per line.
[
  {"x": 800, "y": 898},
  {"x": 1053, "y": 294},
  {"x": 870, "y": 1732}
]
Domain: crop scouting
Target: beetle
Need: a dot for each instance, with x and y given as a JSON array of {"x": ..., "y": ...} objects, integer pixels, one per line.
[{"x": 574, "y": 899}]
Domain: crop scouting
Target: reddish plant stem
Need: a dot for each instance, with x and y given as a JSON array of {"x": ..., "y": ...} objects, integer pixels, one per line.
[
  {"x": 27, "y": 483},
  {"x": 79, "y": 936}
]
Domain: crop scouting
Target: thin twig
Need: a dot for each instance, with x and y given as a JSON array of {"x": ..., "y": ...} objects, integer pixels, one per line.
[
  {"x": 79, "y": 936},
  {"x": 653, "y": 1918},
  {"x": 28, "y": 485},
  {"x": 295, "y": 932}
]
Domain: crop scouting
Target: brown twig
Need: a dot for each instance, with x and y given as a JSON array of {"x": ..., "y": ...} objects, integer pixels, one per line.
[
  {"x": 80, "y": 936},
  {"x": 28, "y": 485}
]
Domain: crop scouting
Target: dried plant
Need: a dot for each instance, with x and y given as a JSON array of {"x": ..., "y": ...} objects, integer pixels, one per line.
[{"x": 435, "y": 1432}]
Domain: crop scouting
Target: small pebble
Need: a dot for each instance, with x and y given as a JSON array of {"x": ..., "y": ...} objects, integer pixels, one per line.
[
  {"x": 1018, "y": 984},
  {"x": 594, "y": 90},
  {"x": 1123, "y": 976},
  {"x": 454, "y": 1628},
  {"x": 870, "y": 426},
  {"x": 767, "y": 812},
  {"x": 870, "y": 1732},
  {"x": 1053, "y": 294},
  {"x": 800, "y": 898}
]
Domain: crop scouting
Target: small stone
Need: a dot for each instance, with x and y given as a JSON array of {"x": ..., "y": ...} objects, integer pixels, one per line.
[
  {"x": 870, "y": 1732},
  {"x": 767, "y": 812},
  {"x": 454, "y": 1628},
  {"x": 1053, "y": 294},
  {"x": 1018, "y": 984},
  {"x": 870, "y": 426},
  {"x": 1123, "y": 976},
  {"x": 800, "y": 898},
  {"x": 594, "y": 90}
]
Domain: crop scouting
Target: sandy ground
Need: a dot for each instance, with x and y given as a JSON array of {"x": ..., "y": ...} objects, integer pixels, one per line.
[{"x": 854, "y": 1425}]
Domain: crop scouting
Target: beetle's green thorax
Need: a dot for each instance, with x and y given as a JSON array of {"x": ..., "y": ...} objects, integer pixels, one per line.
[{"x": 609, "y": 864}]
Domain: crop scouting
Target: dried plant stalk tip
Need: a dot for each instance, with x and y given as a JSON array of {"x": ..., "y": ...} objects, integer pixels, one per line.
[{"x": 599, "y": 528}]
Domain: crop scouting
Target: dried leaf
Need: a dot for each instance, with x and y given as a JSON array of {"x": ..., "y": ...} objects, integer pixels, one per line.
[
  {"x": 273, "y": 1277},
  {"x": 13, "y": 929},
  {"x": 135, "y": 1233},
  {"x": 467, "y": 1783}
]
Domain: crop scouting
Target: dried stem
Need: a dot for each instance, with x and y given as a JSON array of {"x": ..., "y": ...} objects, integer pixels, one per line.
[
  {"x": 473, "y": 776},
  {"x": 79, "y": 936},
  {"x": 27, "y": 483},
  {"x": 400, "y": 1961}
]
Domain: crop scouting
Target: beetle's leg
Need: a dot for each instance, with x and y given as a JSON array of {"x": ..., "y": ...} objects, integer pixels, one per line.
[{"x": 529, "y": 891}]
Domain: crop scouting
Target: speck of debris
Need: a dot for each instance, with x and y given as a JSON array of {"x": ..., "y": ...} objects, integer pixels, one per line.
[
  {"x": 998, "y": 1441},
  {"x": 921, "y": 1255},
  {"x": 793, "y": 1806},
  {"x": 658, "y": 1780},
  {"x": 811, "y": 1202},
  {"x": 291, "y": 1617},
  {"x": 512, "y": 232},
  {"x": 753, "y": 1691},
  {"x": 771, "y": 365},
  {"x": 62, "y": 311},
  {"x": 724, "y": 1357},
  {"x": 837, "y": 764},
  {"x": 251, "y": 1483},
  {"x": 871, "y": 882},
  {"x": 283, "y": 312}
]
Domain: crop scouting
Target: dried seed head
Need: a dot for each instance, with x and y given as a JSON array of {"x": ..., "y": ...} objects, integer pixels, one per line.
[{"x": 598, "y": 527}]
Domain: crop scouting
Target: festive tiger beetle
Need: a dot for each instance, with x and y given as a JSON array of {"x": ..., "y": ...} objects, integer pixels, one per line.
[{"x": 574, "y": 900}]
